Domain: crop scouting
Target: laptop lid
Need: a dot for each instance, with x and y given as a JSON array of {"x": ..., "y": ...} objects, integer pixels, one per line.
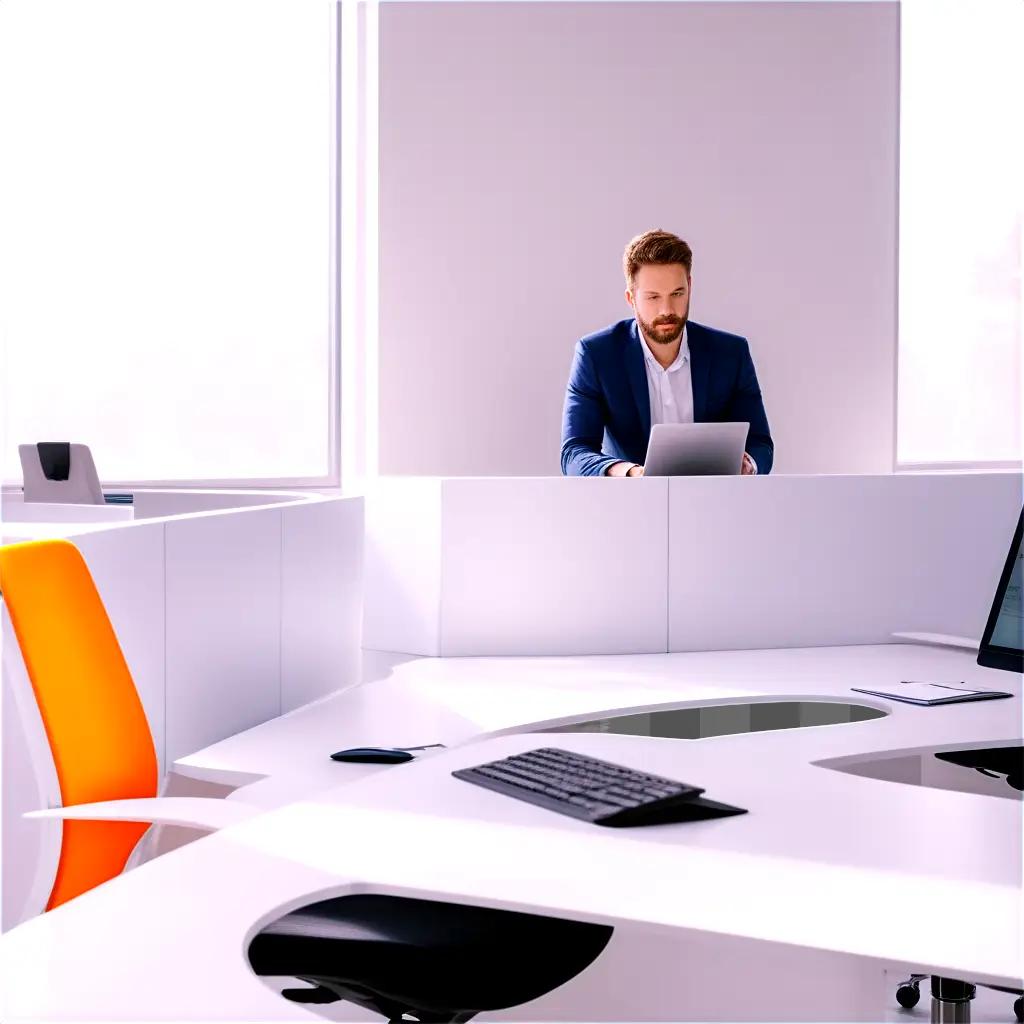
[{"x": 696, "y": 449}]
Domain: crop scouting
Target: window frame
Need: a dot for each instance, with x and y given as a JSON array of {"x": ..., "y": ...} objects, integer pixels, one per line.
[
  {"x": 939, "y": 465},
  {"x": 342, "y": 289}
]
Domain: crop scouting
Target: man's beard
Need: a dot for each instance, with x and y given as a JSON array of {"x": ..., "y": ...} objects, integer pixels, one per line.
[{"x": 657, "y": 336}]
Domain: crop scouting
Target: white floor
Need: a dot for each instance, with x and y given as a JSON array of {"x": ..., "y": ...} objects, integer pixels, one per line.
[{"x": 988, "y": 1007}]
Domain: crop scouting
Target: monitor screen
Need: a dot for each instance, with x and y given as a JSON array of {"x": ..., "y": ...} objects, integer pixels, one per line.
[{"x": 1002, "y": 646}]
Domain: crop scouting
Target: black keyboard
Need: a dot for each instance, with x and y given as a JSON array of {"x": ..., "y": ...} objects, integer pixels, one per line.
[{"x": 594, "y": 790}]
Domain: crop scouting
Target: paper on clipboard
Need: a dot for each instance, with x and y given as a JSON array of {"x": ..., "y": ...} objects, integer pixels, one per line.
[{"x": 930, "y": 694}]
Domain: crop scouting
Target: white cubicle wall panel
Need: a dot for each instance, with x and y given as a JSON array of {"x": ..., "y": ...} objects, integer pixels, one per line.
[
  {"x": 14, "y": 508},
  {"x": 321, "y": 599},
  {"x": 402, "y": 591},
  {"x": 956, "y": 530},
  {"x": 535, "y": 566},
  {"x": 149, "y": 504},
  {"x": 807, "y": 561},
  {"x": 223, "y": 581},
  {"x": 127, "y": 566}
]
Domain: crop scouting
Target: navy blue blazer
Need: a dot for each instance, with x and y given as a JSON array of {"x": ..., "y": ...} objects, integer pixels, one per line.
[{"x": 607, "y": 413}]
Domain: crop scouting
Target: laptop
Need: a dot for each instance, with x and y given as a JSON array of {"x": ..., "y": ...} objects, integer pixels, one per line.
[{"x": 696, "y": 449}]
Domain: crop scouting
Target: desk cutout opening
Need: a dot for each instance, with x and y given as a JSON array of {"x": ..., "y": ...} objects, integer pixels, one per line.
[
  {"x": 700, "y": 723},
  {"x": 994, "y": 770}
]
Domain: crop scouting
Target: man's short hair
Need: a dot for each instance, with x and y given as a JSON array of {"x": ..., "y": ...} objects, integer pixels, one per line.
[{"x": 655, "y": 246}]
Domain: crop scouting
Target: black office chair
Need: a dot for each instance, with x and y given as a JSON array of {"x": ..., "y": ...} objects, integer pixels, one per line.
[
  {"x": 441, "y": 963},
  {"x": 951, "y": 993}
]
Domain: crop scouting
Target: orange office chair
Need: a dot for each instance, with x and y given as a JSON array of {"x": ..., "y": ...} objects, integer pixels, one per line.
[{"x": 94, "y": 727}]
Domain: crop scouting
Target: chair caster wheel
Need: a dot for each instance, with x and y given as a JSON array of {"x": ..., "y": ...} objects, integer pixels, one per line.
[
  {"x": 908, "y": 996},
  {"x": 1018, "y": 1008}
]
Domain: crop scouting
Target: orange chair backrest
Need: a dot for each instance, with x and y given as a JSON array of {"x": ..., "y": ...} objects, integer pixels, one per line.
[{"x": 95, "y": 723}]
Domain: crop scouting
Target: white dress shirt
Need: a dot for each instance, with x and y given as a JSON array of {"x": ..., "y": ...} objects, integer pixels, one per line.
[{"x": 670, "y": 388}]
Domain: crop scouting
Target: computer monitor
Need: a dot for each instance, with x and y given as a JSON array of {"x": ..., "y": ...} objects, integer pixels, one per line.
[{"x": 1002, "y": 645}]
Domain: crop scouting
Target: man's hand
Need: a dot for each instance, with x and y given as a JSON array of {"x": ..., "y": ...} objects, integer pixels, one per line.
[
  {"x": 749, "y": 467},
  {"x": 625, "y": 469}
]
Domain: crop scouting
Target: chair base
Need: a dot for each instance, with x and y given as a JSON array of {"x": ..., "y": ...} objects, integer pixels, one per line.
[{"x": 951, "y": 999}]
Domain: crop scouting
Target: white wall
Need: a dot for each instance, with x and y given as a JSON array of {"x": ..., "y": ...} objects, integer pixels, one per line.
[{"x": 523, "y": 144}]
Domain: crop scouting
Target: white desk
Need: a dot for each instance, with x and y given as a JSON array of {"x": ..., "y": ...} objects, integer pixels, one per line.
[{"x": 829, "y": 880}]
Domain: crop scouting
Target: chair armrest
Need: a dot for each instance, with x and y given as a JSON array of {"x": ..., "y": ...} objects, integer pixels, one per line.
[{"x": 206, "y": 813}]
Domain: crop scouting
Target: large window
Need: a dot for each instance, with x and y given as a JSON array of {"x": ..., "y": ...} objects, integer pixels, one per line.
[
  {"x": 961, "y": 215},
  {"x": 166, "y": 235}
]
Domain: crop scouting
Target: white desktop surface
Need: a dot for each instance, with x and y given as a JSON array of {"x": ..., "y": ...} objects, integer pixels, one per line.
[
  {"x": 894, "y": 873},
  {"x": 458, "y": 700}
]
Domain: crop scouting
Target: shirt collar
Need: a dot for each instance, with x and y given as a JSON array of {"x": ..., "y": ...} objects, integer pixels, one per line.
[{"x": 682, "y": 357}]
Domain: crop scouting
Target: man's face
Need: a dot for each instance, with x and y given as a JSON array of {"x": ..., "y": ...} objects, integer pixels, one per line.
[{"x": 661, "y": 300}]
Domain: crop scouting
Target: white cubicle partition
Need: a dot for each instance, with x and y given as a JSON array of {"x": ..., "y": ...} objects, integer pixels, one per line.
[
  {"x": 16, "y": 509},
  {"x": 226, "y": 618},
  {"x": 229, "y": 615},
  {"x": 529, "y": 568},
  {"x": 811, "y": 561},
  {"x": 321, "y": 599},
  {"x": 223, "y": 626},
  {"x": 159, "y": 504},
  {"x": 491, "y": 566},
  {"x": 402, "y": 583},
  {"x": 516, "y": 566}
]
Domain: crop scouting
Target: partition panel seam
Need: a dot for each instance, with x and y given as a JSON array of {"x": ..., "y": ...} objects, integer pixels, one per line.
[
  {"x": 668, "y": 559},
  {"x": 896, "y": 252},
  {"x": 439, "y": 547},
  {"x": 163, "y": 660},
  {"x": 280, "y": 612}
]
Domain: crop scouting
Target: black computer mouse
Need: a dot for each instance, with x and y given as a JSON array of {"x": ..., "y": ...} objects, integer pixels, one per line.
[{"x": 373, "y": 755}]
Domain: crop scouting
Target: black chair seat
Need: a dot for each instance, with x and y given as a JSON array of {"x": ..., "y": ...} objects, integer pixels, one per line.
[
  {"x": 436, "y": 961},
  {"x": 992, "y": 761}
]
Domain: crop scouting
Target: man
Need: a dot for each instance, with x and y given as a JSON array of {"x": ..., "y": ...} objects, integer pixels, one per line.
[{"x": 657, "y": 367}]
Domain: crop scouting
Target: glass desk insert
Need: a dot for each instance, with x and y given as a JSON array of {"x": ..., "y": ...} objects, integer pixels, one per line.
[{"x": 697, "y": 723}]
